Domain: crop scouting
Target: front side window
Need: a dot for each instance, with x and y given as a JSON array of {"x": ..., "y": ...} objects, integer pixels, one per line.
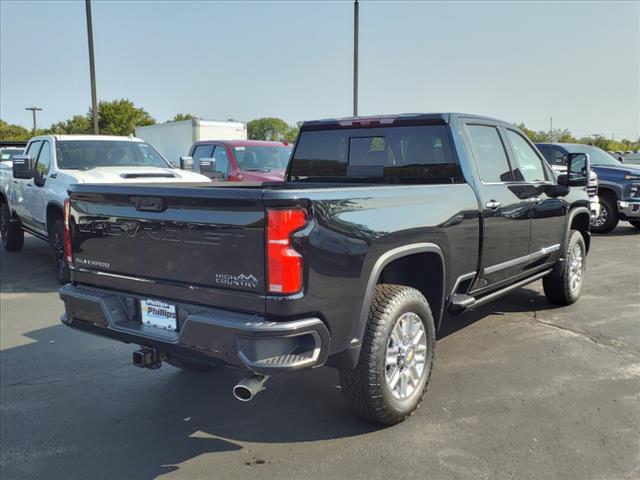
[
  {"x": 529, "y": 166},
  {"x": 222, "y": 159},
  {"x": 422, "y": 152},
  {"x": 87, "y": 154},
  {"x": 557, "y": 157},
  {"x": 44, "y": 159},
  {"x": 34, "y": 149},
  {"x": 490, "y": 155},
  {"x": 202, "y": 151}
]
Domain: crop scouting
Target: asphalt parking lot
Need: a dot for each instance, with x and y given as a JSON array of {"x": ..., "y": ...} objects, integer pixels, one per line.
[{"x": 521, "y": 390}]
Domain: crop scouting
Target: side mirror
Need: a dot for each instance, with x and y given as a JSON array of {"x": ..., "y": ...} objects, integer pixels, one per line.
[
  {"x": 186, "y": 163},
  {"x": 578, "y": 171},
  {"x": 39, "y": 179},
  {"x": 23, "y": 167}
]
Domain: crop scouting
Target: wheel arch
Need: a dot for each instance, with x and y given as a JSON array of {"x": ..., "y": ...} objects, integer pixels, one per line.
[
  {"x": 420, "y": 266},
  {"x": 580, "y": 220},
  {"x": 54, "y": 212}
]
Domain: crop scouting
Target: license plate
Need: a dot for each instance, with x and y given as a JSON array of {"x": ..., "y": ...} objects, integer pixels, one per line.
[{"x": 159, "y": 314}]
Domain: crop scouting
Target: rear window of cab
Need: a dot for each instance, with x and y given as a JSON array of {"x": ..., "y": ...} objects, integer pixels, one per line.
[{"x": 418, "y": 152}]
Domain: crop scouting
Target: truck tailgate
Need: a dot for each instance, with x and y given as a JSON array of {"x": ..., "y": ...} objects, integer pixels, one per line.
[{"x": 192, "y": 237}]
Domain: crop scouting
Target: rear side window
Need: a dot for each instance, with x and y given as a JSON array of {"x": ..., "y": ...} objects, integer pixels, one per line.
[
  {"x": 422, "y": 152},
  {"x": 529, "y": 168},
  {"x": 490, "y": 155}
]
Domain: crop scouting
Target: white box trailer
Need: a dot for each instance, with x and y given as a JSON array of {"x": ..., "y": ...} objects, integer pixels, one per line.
[{"x": 174, "y": 139}]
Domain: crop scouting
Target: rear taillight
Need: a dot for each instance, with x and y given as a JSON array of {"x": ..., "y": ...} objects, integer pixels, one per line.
[
  {"x": 284, "y": 265},
  {"x": 67, "y": 233}
]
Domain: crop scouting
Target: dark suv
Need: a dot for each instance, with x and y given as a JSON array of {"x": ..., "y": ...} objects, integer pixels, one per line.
[{"x": 619, "y": 189}]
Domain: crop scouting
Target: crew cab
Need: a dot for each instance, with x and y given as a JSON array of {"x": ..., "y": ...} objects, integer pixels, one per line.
[
  {"x": 618, "y": 189},
  {"x": 33, "y": 195},
  {"x": 384, "y": 229},
  {"x": 239, "y": 160}
]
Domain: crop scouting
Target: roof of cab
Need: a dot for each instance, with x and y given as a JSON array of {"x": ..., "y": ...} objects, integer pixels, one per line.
[
  {"x": 383, "y": 120},
  {"x": 113, "y": 138},
  {"x": 245, "y": 143}
]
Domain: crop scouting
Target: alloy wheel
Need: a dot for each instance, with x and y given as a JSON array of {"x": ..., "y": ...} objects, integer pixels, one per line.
[{"x": 406, "y": 356}]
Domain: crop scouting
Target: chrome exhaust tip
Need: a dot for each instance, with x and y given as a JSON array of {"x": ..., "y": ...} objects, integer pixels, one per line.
[{"x": 249, "y": 387}]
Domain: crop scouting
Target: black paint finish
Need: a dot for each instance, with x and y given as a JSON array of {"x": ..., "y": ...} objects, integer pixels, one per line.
[{"x": 206, "y": 245}]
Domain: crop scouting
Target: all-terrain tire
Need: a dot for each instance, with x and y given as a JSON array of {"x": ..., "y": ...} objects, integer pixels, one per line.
[
  {"x": 608, "y": 218},
  {"x": 56, "y": 239},
  {"x": 10, "y": 231},
  {"x": 564, "y": 285},
  {"x": 366, "y": 387}
]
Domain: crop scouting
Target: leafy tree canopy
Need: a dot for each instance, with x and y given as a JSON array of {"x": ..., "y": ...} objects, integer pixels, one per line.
[
  {"x": 268, "y": 128},
  {"x": 121, "y": 117},
  {"x": 78, "y": 124},
  {"x": 182, "y": 116},
  {"x": 13, "y": 132}
]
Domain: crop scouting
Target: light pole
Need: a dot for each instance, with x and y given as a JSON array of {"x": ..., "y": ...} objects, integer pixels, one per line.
[
  {"x": 33, "y": 111},
  {"x": 92, "y": 69},
  {"x": 355, "y": 57}
]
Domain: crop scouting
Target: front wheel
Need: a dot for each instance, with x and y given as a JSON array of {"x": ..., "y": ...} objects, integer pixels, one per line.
[
  {"x": 608, "y": 218},
  {"x": 563, "y": 287},
  {"x": 56, "y": 237},
  {"x": 396, "y": 358},
  {"x": 10, "y": 232},
  {"x": 635, "y": 223}
]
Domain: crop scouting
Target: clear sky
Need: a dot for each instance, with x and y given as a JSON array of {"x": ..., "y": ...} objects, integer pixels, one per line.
[{"x": 521, "y": 61}]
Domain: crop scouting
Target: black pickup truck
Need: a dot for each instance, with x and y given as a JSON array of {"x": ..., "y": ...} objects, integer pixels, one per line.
[{"x": 383, "y": 229}]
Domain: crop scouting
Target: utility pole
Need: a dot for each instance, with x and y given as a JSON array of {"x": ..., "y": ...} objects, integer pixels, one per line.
[
  {"x": 92, "y": 69},
  {"x": 551, "y": 129},
  {"x": 355, "y": 57},
  {"x": 33, "y": 111}
]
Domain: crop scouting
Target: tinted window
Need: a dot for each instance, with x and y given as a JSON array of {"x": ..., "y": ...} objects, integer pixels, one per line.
[
  {"x": 85, "y": 154},
  {"x": 415, "y": 151},
  {"x": 34, "y": 148},
  {"x": 529, "y": 166},
  {"x": 222, "y": 159},
  {"x": 44, "y": 160},
  {"x": 490, "y": 155},
  {"x": 202, "y": 151},
  {"x": 556, "y": 157}
]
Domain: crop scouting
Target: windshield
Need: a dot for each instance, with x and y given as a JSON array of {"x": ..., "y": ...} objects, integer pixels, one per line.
[
  {"x": 598, "y": 156},
  {"x": 86, "y": 154},
  {"x": 263, "y": 158},
  {"x": 8, "y": 153}
]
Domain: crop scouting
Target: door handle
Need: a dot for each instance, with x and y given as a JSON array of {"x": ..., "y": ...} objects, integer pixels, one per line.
[
  {"x": 492, "y": 204},
  {"x": 29, "y": 184}
]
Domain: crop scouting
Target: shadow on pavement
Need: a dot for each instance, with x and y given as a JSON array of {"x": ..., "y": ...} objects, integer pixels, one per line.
[
  {"x": 29, "y": 270},
  {"x": 110, "y": 420},
  {"x": 621, "y": 230}
]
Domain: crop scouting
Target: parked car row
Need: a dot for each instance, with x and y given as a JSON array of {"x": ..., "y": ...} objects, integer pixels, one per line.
[{"x": 619, "y": 183}]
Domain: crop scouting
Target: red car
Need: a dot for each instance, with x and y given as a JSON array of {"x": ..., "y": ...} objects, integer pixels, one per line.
[{"x": 241, "y": 160}]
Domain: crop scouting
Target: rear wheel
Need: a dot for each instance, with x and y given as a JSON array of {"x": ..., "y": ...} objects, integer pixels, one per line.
[
  {"x": 396, "y": 359},
  {"x": 56, "y": 238},
  {"x": 635, "y": 223},
  {"x": 10, "y": 231},
  {"x": 608, "y": 218},
  {"x": 563, "y": 287}
]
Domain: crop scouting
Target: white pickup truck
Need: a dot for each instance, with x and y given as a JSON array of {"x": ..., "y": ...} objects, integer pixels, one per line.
[{"x": 33, "y": 192}]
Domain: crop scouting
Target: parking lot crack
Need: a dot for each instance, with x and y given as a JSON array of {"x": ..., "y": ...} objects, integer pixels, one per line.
[{"x": 598, "y": 340}]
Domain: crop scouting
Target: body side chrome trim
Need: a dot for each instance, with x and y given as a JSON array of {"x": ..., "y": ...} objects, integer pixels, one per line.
[{"x": 525, "y": 259}]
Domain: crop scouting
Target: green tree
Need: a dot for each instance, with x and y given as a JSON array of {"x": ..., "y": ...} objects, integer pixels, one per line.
[
  {"x": 268, "y": 129},
  {"x": 182, "y": 116},
  {"x": 121, "y": 117},
  {"x": 292, "y": 133},
  {"x": 78, "y": 124},
  {"x": 13, "y": 132}
]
